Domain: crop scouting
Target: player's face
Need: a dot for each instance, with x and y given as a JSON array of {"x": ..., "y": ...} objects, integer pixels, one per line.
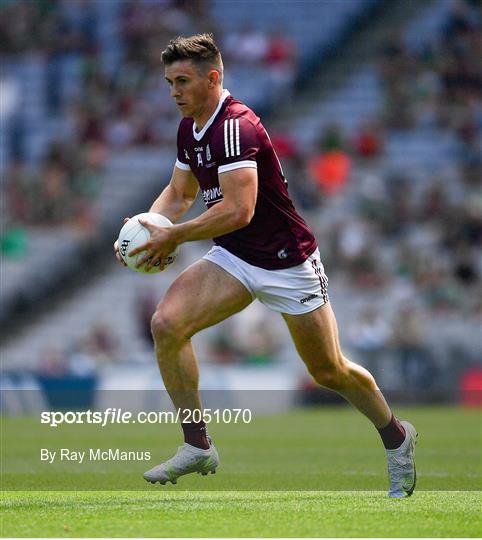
[{"x": 189, "y": 88}]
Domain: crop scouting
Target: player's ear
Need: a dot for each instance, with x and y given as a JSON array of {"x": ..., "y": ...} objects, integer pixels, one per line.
[{"x": 213, "y": 77}]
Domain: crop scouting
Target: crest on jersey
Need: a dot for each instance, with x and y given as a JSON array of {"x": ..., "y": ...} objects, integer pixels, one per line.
[
  {"x": 208, "y": 153},
  {"x": 282, "y": 253},
  {"x": 186, "y": 155}
]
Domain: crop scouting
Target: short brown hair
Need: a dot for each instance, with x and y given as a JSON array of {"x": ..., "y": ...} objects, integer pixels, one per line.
[{"x": 200, "y": 49}]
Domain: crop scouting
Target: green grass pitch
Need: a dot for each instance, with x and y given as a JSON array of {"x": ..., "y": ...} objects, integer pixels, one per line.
[{"x": 307, "y": 473}]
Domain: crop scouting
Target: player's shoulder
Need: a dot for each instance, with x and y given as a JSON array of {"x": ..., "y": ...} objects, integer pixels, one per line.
[
  {"x": 236, "y": 119},
  {"x": 236, "y": 136},
  {"x": 237, "y": 109}
]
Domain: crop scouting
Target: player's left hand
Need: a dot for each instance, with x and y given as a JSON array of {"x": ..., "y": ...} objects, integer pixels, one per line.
[{"x": 160, "y": 245}]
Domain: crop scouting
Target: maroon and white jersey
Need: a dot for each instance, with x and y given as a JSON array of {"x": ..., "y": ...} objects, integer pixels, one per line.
[{"x": 233, "y": 138}]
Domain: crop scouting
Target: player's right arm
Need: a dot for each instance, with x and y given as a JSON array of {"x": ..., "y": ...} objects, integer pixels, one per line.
[
  {"x": 174, "y": 201},
  {"x": 178, "y": 196}
]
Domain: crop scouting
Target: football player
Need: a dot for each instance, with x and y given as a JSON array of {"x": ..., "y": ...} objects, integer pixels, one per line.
[{"x": 262, "y": 250}]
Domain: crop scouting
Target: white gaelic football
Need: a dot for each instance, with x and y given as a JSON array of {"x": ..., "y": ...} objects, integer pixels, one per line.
[{"x": 133, "y": 235}]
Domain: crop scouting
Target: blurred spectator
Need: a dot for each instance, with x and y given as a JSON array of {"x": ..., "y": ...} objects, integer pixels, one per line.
[
  {"x": 20, "y": 186},
  {"x": 254, "y": 335},
  {"x": 332, "y": 138},
  {"x": 120, "y": 131},
  {"x": 434, "y": 202},
  {"x": 439, "y": 290},
  {"x": 465, "y": 268},
  {"x": 222, "y": 349},
  {"x": 69, "y": 33},
  {"x": 306, "y": 194},
  {"x": 102, "y": 341},
  {"x": 373, "y": 204},
  {"x": 54, "y": 198},
  {"x": 409, "y": 335},
  {"x": 281, "y": 63},
  {"x": 98, "y": 347},
  {"x": 396, "y": 67},
  {"x": 330, "y": 171},
  {"x": 365, "y": 269},
  {"x": 369, "y": 336},
  {"x": 357, "y": 242},
  {"x": 330, "y": 165},
  {"x": 285, "y": 146},
  {"x": 368, "y": 141},
  {"x": 81, "y": 360},
  {"x": 401, "y": 203},
  {"x": 52, "y": 362},
  {"x": 262, "y": 347},
  {"x": 248, "y": 46}
]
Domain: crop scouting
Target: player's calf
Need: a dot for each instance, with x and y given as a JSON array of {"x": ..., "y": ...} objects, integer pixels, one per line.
[{"x": 332, "y": 374}]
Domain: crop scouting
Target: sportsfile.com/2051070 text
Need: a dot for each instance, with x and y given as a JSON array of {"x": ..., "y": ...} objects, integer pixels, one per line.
[{"x": 113, "y": 415}]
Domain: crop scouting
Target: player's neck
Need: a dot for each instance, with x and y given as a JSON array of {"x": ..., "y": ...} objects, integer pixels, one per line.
[{"x": 208, "y": 110}]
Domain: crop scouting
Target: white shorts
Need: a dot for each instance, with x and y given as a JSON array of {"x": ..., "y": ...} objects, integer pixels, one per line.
[{"x": 296, "y": 290}]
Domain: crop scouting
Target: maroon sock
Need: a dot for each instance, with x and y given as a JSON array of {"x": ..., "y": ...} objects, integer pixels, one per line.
[
  {"x": 195, "y": 434},
  {"x": 393, "y": 434}
]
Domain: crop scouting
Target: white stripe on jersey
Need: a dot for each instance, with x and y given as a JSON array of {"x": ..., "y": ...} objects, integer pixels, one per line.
[
  {"x": 231, "y": 135},
  {"x": 238, "y": 151},
  {"x": 232, "y": 144},
  {"x": 245, "y": 164},
  {"x": 226, "y": 147}
]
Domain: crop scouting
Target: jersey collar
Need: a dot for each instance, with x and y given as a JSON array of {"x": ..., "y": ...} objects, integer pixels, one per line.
[{"x": 200, "y": 135}]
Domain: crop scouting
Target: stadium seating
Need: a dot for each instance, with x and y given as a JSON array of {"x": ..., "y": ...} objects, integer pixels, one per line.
[
  {"x": 361, "y": 98},
  {"x": 315, "y": 27}
]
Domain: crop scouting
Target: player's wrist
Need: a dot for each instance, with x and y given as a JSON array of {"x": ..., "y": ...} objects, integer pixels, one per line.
[{"x": 178, "y": 233}]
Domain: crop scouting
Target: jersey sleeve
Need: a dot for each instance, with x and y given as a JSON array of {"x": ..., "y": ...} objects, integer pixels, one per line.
[
  {"x": 182, "y": 160},
  {"x": 237, "y": 144}
]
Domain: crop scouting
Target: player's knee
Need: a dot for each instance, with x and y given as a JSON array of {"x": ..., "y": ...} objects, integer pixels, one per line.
[
  {"x": 332, "y": 374},
  {"x": 166, "y": 328}
]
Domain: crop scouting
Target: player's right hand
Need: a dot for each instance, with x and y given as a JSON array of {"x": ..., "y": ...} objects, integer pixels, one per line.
[{"x": 116, "y": 247}]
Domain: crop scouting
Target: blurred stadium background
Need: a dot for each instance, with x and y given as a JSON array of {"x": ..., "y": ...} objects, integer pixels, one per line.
[{"x": 375, "y": 109}]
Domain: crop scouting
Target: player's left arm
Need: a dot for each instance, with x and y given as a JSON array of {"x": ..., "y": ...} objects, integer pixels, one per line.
[{"x": 234, "y": 211}]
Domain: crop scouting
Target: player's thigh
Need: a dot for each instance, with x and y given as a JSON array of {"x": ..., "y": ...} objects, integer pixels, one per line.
[
  {"x": 315, "y": 335},
  {"x": 203, "y": 295}
]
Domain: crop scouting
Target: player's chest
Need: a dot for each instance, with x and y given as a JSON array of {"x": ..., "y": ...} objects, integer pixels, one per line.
[{"x": 201, "y": 160}]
